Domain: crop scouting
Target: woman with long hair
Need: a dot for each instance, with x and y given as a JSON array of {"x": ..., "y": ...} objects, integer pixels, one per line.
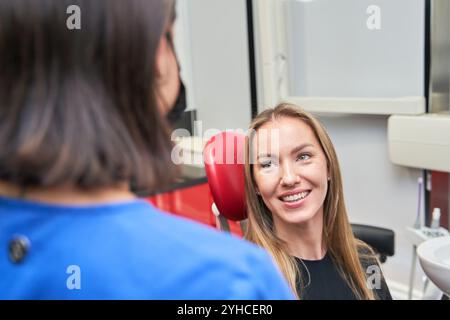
[
  {"x": 296, "y": 209},
  {"x": 83, "y": 116}
]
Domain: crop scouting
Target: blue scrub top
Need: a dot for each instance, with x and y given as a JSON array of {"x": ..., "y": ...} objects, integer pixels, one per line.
[{"x": 126, "y": 250}]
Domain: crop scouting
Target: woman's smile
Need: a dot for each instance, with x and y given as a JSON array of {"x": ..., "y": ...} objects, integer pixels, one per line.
[
  {"x": 294, "y": 199},
  {"x": 291, "y": 165}
]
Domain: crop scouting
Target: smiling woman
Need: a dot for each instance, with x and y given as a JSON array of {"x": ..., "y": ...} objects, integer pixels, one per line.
[
  {"x": 297, "y": 212},
  {"x": 276, "y": 176}
]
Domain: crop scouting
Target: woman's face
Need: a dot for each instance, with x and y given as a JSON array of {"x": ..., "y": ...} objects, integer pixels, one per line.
[{"x": 290, "y": 171}]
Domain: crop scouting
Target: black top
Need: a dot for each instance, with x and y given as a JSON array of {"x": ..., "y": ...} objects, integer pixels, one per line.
[{"x": 326, "y": 283}]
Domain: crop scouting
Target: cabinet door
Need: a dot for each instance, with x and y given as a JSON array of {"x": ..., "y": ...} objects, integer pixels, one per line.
[
  {"x": 356, "y": 48},
  {"x": 350, "y": 56}
]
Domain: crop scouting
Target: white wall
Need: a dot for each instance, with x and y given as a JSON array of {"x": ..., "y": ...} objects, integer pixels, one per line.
[
  {"x": 217, "y": 45},
  {"x": 336, "y": 55}
]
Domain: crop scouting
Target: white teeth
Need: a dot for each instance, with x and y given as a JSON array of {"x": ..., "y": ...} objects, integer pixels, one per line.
[{"x": 295, "y": 197}]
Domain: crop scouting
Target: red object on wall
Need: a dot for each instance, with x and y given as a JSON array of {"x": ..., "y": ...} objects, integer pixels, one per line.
[
  {"x": 439, "y": 195},
  {"x": 193, "y": 203}
]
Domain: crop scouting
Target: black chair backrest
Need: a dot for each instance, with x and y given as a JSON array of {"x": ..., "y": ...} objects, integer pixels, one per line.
[{"x": 381, "y": 240}]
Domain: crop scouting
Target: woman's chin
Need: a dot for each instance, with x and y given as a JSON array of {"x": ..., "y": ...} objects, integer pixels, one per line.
[{"x": 297, "y": 216}]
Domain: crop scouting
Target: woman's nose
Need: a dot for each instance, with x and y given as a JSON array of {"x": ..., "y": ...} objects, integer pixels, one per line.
[{"x": 289, "y": 176}]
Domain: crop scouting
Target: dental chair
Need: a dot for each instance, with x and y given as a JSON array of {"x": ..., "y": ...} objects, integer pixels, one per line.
[{"x": 224, "y": 158}]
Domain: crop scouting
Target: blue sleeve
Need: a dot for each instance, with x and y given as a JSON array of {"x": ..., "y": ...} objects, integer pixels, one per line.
[{"x": 269, "y": 279}]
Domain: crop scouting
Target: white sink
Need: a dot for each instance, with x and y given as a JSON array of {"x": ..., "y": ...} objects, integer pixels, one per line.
[{"x": 434, "y": 256}]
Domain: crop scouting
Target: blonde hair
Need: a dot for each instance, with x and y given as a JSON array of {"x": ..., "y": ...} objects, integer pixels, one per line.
[{"x": 342, "y": 246}]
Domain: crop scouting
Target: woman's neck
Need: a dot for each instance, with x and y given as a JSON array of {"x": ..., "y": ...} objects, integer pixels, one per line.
[
  {"x": 304, "y": 240},
  {"x": 68, "y": 195}
]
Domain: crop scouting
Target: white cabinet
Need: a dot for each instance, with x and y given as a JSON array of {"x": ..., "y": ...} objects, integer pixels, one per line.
[{"x": 352, "y": 56}]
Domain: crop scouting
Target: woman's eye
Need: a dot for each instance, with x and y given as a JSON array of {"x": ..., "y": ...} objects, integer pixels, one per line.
[
  {"x": 266, "y": 164},
  {"x": 304, "y": 156}
]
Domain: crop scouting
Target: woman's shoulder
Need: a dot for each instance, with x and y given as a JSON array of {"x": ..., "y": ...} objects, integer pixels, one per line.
[{"x": 122, "y": 243}]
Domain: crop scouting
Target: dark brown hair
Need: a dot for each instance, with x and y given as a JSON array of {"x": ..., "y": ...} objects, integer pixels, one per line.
[{"x": 79, "y": 106}]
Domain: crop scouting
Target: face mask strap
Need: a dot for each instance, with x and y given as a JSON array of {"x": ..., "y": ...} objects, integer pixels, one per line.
[{"x": 178, "y": 109}]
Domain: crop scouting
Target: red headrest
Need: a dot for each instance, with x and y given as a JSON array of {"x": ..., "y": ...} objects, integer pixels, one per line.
[{"x": 224, "y": 163}]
